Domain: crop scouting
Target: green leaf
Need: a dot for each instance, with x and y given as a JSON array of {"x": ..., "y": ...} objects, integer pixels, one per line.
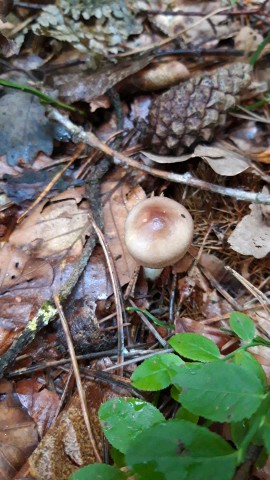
[
  {"x": 243, "y": 326},
  {"x": 238, "y": 432},
  {"x": 122, "y": 419},
  {"x": 185, "y": 451},
  {"x": 97, "y": 471},
  {"x": 195, "y": 347},
  {"x": 183, "y": 414},
  {"x": 175, "y": 393},
  {"x": 219, "y": 391},
  {"x": 247, "y": 361},
  {"x": 156, "y": 372}
]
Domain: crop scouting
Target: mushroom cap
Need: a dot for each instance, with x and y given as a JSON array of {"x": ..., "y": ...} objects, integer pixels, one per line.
[{"x": 158, "y": 232}]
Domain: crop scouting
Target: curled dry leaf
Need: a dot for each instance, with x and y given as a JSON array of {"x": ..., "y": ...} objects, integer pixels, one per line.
[
  {"x": 222, "y": 160},
  {"x": 18, "y": 436},
  {"x": 252, "y": 234},
  {"x": 118, "y": 199}
]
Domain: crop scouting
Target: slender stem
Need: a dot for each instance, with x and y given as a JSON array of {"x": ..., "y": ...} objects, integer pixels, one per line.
[
  {"x": 38, "y": 93},
  {"x": 256, "y": 425},
  {"x": 254, "y": 343}
]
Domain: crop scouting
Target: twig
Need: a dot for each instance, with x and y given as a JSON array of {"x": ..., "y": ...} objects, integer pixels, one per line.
[
  {"x": 46, "y": 314},
  {"x": 139, "y": 359},
  {"x": 116, "y": 291},
  {"x": 200, "y": 14},
  {"x": 79, "y": 135},
  {"x": 80, "y": 388},
  {"x": 260, "y": 296},
  {"x": 201, "y": 51}
]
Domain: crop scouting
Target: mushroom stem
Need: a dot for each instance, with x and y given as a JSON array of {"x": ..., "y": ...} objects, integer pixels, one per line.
[{"x": 152, "y": 273}]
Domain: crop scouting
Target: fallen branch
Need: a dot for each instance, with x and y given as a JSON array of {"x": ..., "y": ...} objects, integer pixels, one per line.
[{"x": 79, "y": 135}]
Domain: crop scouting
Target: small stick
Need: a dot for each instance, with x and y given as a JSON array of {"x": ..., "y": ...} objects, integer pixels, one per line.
[
  {"x": 80, "y": 388},
  {"x": 174, "y": 13},
  {"x": 116, "y": 291}
]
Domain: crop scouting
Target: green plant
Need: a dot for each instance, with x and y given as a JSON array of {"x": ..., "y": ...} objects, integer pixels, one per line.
[{"x": 209, "y": 388}]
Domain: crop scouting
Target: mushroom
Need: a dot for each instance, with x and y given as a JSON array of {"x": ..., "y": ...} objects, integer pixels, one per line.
[{"x": 158, "y": 233}]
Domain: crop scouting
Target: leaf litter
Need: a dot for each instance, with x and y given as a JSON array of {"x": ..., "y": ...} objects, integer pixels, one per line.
[{"x": 54, "y": 248}]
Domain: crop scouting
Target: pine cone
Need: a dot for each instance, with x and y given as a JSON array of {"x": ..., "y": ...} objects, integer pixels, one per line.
[{"x": 192, "y": 112}]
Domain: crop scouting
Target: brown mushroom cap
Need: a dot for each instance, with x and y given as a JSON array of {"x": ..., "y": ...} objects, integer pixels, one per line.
[{"x": 158, "y": 232}]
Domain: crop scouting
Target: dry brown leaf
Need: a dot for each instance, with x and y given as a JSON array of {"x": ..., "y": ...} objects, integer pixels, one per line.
[
  {"x": 19, "y": 269},
  {"x": 55, "y": 226},
  {"x": 18, "y": 436},
  {"x": 252, "y": 235},
  {"x": 42, "y": 407},
  {"x": 118, "y": 199},
  {"x": 67, "y": 444},
  {"x": 221, "y": 160},
  {"x": 40, "y": 256}
]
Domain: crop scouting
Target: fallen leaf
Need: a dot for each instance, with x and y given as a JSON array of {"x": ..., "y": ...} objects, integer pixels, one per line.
[
  {"x": 24, "y": 129},
  {"x": 252, "y": 235},
  {"x": 118, "y": 199},
  {"x": 18, "y": 436},
  {"x": 221, "y": 160},
  {"x": 42, "y": 407},
  {"x": 55, "y": 226},
  {"x": 30, "y": 183},
  {"x": 40, "y": 257}
]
